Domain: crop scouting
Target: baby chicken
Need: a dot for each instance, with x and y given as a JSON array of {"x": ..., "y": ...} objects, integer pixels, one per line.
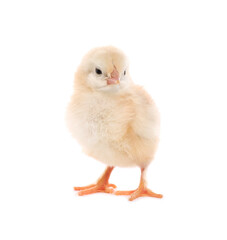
[{"x": 115, "y": 121}]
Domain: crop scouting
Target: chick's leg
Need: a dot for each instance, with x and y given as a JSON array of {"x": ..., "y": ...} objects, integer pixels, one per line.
[
  {"x": 141, "y": 191},
  {"x": 102, "y": 185}
]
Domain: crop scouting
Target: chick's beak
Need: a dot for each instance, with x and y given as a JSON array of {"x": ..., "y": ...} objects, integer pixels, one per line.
[{"x": 114, "y": 78}]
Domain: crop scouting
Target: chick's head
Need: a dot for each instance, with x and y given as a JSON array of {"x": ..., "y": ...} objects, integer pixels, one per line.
[{"x": 105, "y": 69}]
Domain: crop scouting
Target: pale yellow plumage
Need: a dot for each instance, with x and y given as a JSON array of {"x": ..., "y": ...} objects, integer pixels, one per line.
[{"x": 117, "y": 124}]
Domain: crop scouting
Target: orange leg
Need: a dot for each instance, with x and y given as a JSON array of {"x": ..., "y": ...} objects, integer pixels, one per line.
[
  {"x": 141, "y": 191},
  {"x": 102, "y": 185}
]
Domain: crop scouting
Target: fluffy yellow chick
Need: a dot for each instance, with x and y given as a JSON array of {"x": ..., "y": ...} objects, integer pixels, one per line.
[{"x": 115, "y": 121}]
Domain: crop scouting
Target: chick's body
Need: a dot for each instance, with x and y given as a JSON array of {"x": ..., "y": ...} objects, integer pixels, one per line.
[
  {"x": 117, "y": 129},
  {"x": 114, "y": 120}
]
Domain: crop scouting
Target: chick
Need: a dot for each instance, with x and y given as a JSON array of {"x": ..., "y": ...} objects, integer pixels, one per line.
[{"x": 114, "y": 120}]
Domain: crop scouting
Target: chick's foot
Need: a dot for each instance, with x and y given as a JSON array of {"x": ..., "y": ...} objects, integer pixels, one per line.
[
  {"x": 141, "y": 191},
  {"x": 95, "y": 188},
  {"x": 102, "y": 185}
]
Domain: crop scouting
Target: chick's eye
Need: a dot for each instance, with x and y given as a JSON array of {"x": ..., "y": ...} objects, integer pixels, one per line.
[
  {"x": 124, "y": 72},
  {"x": 98, "y": 71}
]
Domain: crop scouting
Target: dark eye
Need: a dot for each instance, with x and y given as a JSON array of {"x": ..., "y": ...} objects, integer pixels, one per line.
[
  {"x": 125, "y": 72},
  {"x": 98, "y": 71}
]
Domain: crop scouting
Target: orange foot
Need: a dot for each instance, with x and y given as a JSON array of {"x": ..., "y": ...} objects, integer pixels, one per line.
[
  {"x": 95, "y": 188},
  {"x": 139, "y": 192},
  {"x": 102, "y": 185}
]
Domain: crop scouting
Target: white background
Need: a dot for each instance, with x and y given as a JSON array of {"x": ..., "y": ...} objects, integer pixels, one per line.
[{"x": 178, "y": 52}]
